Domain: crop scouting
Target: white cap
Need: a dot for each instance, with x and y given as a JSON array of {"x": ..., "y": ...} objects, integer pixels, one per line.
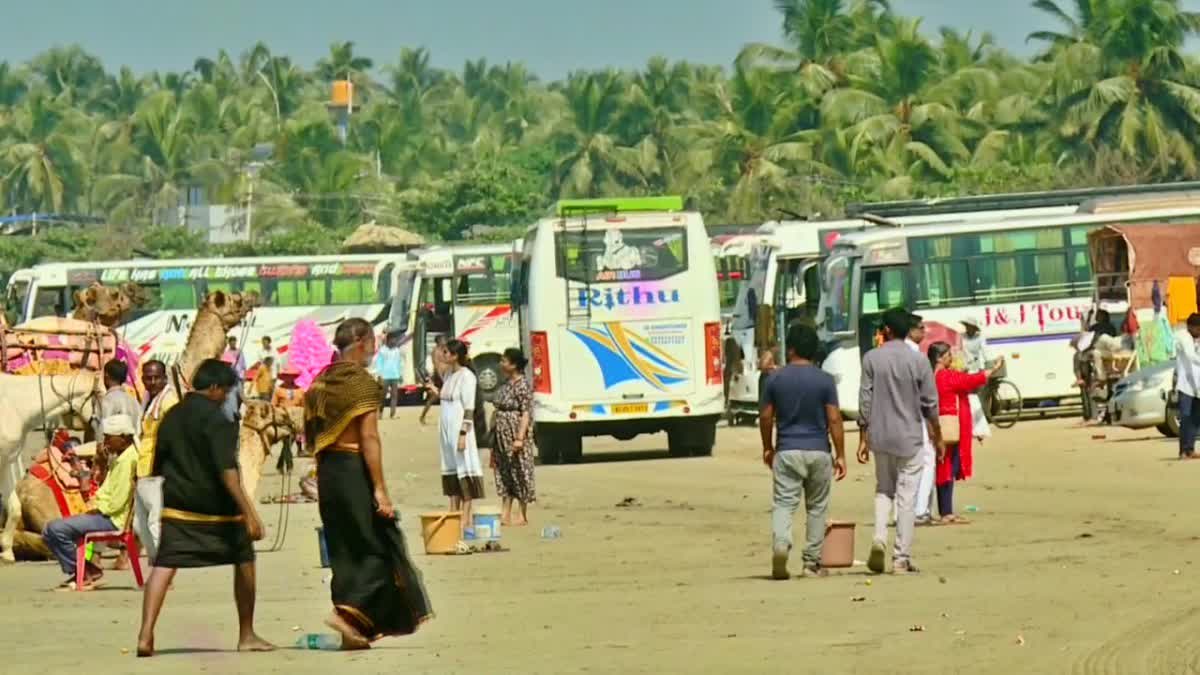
[
  {"x": 118, "y": 425},
  {"x": 971, "y": 320}
]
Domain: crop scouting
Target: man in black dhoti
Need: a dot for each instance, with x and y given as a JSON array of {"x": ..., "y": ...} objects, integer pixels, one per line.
[{"x": 207, "y": 519}]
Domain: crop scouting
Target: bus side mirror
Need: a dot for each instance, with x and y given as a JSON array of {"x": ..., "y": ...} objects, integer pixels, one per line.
[{"x": 764, "y": 328}]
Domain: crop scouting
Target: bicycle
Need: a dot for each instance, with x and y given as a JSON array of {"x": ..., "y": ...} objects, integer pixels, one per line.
[{"x": 1002, "y": 405}]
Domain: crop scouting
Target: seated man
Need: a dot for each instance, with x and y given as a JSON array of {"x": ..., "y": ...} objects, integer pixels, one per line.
[{"x": 110, "y": 509}]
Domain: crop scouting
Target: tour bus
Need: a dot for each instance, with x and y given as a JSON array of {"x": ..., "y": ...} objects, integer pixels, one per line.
[
  {"x": 1027, "y": 279},
  {"x": 619, "y": 314},
  {"x": 461, "y": 292},
  {"x": 327, "y": 289}
]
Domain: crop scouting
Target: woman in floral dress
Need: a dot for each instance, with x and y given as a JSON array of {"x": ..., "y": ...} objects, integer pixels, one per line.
[{"x": 512, "y": 458}]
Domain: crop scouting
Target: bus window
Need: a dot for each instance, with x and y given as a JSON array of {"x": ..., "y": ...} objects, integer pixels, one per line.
[
  {"x": 50, "y": 301},
  {"x": 348, "y": 291},
  {"x": 884, "y": 288},
  {"x": 178, "y": 295},
  {"x": 642, "y": 254},
  {"x": 317, "y": 292}
]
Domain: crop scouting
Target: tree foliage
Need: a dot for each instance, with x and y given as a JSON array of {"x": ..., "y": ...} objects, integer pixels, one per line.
[{"x": 854, "y": 102}]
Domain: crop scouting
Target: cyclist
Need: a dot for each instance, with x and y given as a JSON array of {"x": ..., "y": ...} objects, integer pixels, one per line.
[{"x": 975, "y": 360}]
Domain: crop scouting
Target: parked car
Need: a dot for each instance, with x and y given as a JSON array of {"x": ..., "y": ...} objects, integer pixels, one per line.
[{"x": 1147, "y": 399}]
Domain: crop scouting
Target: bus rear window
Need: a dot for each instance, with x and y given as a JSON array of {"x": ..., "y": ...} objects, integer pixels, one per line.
[{"x": 614, "y": 255}]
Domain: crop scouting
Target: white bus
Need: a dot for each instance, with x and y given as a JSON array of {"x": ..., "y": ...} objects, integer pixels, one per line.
[
  {"x": 620, "y": 317},
  {"x": 326, "y": 289},
  {"x": 785, "y": 277},
  {"x": 461, "y": 292},
  {"x": 1029, "y": 280}
]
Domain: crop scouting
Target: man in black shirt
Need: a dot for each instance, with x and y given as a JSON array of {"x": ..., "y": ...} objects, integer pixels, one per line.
[{"x": 207, "y": 519}]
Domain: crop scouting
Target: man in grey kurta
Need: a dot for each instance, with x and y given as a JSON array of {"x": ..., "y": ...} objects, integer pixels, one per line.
[{"x": 896, "y": 400}]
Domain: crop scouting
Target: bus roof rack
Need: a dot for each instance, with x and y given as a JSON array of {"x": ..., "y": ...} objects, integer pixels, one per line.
[
  {"x": 572, "y": 207},
  {"x": 1015, "y": 200}
]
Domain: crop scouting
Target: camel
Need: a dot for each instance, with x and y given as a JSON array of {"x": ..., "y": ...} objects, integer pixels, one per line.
[
  {"x": 263, "y": 425},
  {"x": 21, "y": 398},
  {"x": 216, "y": 317},
  {"x": 107, "y": 305}
]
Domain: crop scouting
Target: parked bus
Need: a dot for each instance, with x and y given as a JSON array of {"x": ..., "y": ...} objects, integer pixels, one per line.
[
  {"x": 1028, "y": 279},
  {"x": 461, "y": 292},
  {"x": 620, "y": 317},
  {"x": 327, "y": 289}
]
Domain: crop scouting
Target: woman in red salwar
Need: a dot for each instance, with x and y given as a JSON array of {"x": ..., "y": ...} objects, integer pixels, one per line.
[{"x": 953, "y": 388}]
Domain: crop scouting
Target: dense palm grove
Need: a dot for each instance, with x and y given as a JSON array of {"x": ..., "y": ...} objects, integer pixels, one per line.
[{"x": 860, "y": 104}]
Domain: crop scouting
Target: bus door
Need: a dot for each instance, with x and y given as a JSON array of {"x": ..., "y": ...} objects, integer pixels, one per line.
[
  {"x": 435, "y": 317},
  {"x": 797, "y": 295}
]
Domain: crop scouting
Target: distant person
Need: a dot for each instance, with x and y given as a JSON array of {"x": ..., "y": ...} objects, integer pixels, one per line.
[
  {"x": 207, "y": 519},
  {"x": 264, "y": 380},
  {"x": 234, "y": 357},
  {"x": 116, "y": 399},
  {"x": 924, "y": 505},
  {"x": 513, "y": 456},
  {"x": 376, "y": 591},
  {"x": 108, "y": 511},
  {"x": 1187, "y": 385},
  {"x": 896, "y": 399},
  {"x": 266, "y": 350},
  {"x": 954, "y": 389},
  {"x": 389, "y": 366},
  {"x": 798, "y": 416},
  {"x": 289, "y": 396},
  {"x": 974, "y": 346},
  {"x": 431, "y": 379},
  {"x": 160, "y": 398}
]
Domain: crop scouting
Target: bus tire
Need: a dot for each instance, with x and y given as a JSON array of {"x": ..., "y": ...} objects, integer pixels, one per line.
[
  {"x": 487, "y": 369},
  {"x": 572, "y": 447},
  {"x": 704, "y": 437},
  {"x": 549, "y": 450}
]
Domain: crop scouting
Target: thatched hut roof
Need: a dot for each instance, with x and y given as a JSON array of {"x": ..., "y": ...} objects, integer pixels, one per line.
[{"x": 372, "y": 238}]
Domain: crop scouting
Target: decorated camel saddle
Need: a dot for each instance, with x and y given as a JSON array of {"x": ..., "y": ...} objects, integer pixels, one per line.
[{"x": 54, "y": 468}]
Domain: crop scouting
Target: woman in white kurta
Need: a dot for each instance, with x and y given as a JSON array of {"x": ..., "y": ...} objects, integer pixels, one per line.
[{"x": 462, "y": 472}]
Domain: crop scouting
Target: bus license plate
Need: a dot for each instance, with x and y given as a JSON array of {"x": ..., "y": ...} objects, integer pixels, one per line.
[{"x": 631, "y": 408}]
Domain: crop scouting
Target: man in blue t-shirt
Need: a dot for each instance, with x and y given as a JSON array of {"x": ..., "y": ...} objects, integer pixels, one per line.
[{"x": 799, "y": 415}]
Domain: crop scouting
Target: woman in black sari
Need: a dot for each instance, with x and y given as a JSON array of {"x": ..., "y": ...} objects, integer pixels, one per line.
[{"x": 376, "y": 590}]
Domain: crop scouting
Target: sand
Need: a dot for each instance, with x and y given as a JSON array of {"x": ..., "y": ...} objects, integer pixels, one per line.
[{"x": 1079, "y": 559}]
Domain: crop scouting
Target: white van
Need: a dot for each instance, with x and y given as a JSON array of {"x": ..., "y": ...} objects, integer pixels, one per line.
[{"x": 619, "y": 314}]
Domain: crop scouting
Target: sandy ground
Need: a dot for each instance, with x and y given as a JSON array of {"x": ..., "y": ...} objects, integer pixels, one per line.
[{"x": 1079, "y": 560}]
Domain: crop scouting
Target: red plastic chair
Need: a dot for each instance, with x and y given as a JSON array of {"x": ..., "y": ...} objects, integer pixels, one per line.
[{"x": 125, "y": 538}]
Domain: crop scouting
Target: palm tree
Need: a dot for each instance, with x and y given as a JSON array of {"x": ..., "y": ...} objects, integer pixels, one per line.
[
  {"x": 895, "y": 107},
  {"x": 1120, "y": 79},
  {"x": 756, "y": 143},
  {"x": 587, "y": 134},
  {"x": 41, "y": 168},
  {"x": 342, "y": 64}
]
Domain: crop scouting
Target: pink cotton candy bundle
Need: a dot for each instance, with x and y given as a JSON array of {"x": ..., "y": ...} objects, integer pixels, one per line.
[{"x": 309, "y": 351}]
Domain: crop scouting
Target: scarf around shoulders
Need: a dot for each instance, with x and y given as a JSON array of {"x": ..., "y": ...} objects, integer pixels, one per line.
[{"x": 340, "y": 394}]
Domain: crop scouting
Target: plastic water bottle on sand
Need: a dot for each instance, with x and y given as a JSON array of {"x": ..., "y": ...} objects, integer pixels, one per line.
[
  {"x": 322, "y": 641},
  {"x": 551, "y": 532}
]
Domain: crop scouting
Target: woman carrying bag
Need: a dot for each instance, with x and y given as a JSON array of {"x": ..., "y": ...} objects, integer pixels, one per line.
[{"x": 954, "y": 413}]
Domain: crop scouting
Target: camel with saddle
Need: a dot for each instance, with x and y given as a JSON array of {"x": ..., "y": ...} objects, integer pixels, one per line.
[{"x": 45, "y": 493}]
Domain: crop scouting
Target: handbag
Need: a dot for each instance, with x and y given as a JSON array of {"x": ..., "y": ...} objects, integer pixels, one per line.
[{"x": 950, "y": 430}]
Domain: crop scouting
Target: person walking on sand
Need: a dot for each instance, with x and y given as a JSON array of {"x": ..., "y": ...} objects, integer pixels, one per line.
[
  {"x": 1187, "y": 385},
  {"x": 798, "y": 416},
  {"x": 376, "y": 590},
  {"x": 924, "y": 505},
  {"x": 207, "y": 519},
  {"x": 896, "y": 398}
]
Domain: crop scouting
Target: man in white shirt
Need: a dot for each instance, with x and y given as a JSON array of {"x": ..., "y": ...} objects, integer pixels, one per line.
[
  {"x": 924, "y": 506},
  {"x": 1187, "y": 385}
]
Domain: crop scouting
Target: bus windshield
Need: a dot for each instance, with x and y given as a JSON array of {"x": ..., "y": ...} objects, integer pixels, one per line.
[
  {"x": 621, "y": 254},
  {"x": 731, "y": 274}
]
